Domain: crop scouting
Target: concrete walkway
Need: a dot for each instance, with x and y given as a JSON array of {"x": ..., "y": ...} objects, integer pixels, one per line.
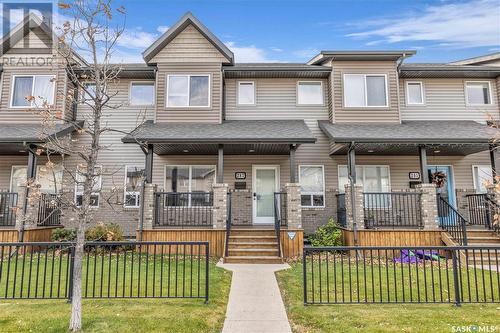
[{"x": 255, "y": 304}]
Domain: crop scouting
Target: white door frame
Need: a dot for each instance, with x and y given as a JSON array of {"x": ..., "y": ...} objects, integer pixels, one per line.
[{"x": 255, "y": 167}]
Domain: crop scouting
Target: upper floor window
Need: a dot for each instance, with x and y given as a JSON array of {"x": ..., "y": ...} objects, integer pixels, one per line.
[
  {"x": 246, "y": 93},
  {"x": 310, "y": 92},
  {"x": 188, "y": 91},
  {"x": 40, "y": 87},
  {"x": 312, "y": 185},
  {"x": 414, "y": 93},
  {"x": 482, "y": 177},
  {"x": 142, "y": 93},
  {"x": 365, "y": 90},
  {"x": 133, "y": 177},
  {"x": 478, "y": 92},
  {"x": 89, "y": 92}
]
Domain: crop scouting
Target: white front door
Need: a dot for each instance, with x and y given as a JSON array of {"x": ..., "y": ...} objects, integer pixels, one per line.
[{"x": 264, "y": 184}]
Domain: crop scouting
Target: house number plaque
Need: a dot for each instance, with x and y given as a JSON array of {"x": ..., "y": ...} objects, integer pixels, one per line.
[
  {"x": 240, "y": 175},
  {"x": 415, "y": 175}
]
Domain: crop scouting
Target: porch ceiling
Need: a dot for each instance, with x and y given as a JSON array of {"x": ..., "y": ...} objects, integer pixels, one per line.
[
  {"x": 461, "y": 149},
  {"x": 229, "y": 149}
]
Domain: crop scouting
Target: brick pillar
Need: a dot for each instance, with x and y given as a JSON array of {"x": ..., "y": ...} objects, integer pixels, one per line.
[
  {"x": 149, "y": 206},
  {"x": 30, "y": 219},
  {"x": 462, "y": 202},
  {"x": 293, "y": 206},
  {"x": 220, "y": 205},
  {"x": 428, "y": 206},
  {"x": 359, "y": 218}
]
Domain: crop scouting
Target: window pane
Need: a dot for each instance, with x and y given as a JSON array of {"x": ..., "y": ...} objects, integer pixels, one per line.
[
  {"x": 246, "y": 93},
  {"x": 18, "y": 178},
  {"x": 50, "y": 179},
  {"x": 375, "y": 94},
  {"x": 178, "y": 91},
  {"x": 478, "y": 93},
  {"x": 354, "y": 90},
  {"x": 415, "y": 93},
  {"x": 198, "y": 91},
  {"x": 22, "y": 89},
  {"x": 305, "y": 200},
  {"x": 202, "y": 178},
  {"x": 311, "y": 179},
  {"x": 318, "y": 200},
  {"x": 177, "y": 179},
  {"x": 142, "y": 94},
  {"x": 482, "y": 177},
  {"x": 310, "y": 93},
  {"x": 87, "y": 96},
  {"x": 44, "y": 90},
  {"x": 134, "y": 178},
  {"x": 131, "y": 199}
]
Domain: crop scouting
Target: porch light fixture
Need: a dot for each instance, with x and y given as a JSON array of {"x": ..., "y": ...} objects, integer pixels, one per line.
[
  {"x": 371, "y": 151},
  {"x": 437, "y": 151},
  {"x": 185, "y": 151},
  {"x": 251, "y": 150}
]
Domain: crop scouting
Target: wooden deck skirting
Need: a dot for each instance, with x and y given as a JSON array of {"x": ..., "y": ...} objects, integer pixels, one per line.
[
  {"x": 292, "y": 248},
  {"x": 405, "y": 237},
  {"x": 41, "y": 234}
]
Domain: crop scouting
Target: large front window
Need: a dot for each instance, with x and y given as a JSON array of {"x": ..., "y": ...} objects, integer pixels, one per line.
[
  {"x": 133, "y": 178},
  {"x": 374, "y": 178},
  {"x": 188, "y": 90},
  {"x": 190, "y": 182},
  {"x": 482, "y": 177},
  {"x": 49, "y": 178},
  {"x": 365, "y": 90},
  {"x": 312, "y": 185},
  {"x": 32, "y": 91}
]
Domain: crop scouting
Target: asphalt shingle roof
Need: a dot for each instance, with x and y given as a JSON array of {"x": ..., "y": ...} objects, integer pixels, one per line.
[
  {"x": 32, "y": 133},
  {"x": 232, "y": 131}
]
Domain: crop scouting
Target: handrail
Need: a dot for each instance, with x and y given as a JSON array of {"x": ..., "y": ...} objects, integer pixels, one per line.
[
  {"x": 452, "y": 221},
  {"x": 228, "y": 223},
  {"x": 277, "y": 219}
]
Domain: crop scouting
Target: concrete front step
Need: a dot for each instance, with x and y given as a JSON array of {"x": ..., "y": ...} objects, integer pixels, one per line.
[
  {"x": 253, "y": 260},
  {"x": 253, "y": 245},
  {"x": 253, "y": 252},
  {"x": 251, "y": 239}
]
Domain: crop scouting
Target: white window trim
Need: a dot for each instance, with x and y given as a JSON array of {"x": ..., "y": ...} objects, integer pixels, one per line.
[
  {"x": 144, "y": 83},
  {"x": 125, "y": 192},
  {"x": 32, "y": 87},
  {"x": 474, "y": 179},
  {"x": 309, "y": 104},
  {"x": 421, "y": 92},
  {"x": 93, "y": 193},
  {"x": 366, "y": 165},
  {"x": 238, "y": 93},
  {"x": 490, "y": 95},
  {"x": 189, "y": 88},
  {"x": 366, "y": 92},
  {"x": 315, "y": 193}
]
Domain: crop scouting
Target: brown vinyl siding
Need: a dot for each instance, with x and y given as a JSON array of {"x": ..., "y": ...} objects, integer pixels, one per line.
[
  {"x": 365, "y": 114},
  {"x": 211, "y": 114},
  {"x": 445, "y": 99}
]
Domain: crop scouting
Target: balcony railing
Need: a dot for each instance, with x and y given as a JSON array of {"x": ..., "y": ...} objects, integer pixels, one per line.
[
  {"x": 392, "y": 210},
  {"x": 8, "y": 203},
  {"x": 49, "y": 211},
  {"x": 483, "y": 210},
  {"x": 187, "y": 209}
]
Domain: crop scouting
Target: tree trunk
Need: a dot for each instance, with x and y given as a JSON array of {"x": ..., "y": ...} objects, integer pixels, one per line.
[{"x": 75, "y": 323}]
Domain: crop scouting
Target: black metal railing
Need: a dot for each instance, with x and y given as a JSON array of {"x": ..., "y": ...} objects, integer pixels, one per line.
[
  {"x": 280, "y": 208},
  {"x": 228, "y": 222},
  {"x": 392, "y": 209},
  {"x": 483, "y": 210},
  {"x": 451, "y": 221},
  {"x": 110, "y": 270},
  {"x": 8, "y": 204},
  {"x": 176, "y": 209},
  {"x": 49, "y": 211},
  {"x": 341, "y": 210},
  {"x": 346, "y": 275}
]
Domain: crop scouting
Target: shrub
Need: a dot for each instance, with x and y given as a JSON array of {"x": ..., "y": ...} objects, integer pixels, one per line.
[
  {"x": 329, "y": 234},
  {"x": 63, "y": 235},
  {"x": 104, "y": 232}
]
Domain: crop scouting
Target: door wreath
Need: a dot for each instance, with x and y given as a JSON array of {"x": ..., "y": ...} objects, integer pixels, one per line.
[{"x": 439, "y": 179}]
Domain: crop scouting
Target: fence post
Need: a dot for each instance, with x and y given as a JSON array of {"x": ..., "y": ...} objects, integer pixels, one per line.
[
  {"x": 304, "y": 275},
  {"x": 71, "y": 267},
  {"x": 207, "y": 254},
  {"x": 455, "y": 277}
]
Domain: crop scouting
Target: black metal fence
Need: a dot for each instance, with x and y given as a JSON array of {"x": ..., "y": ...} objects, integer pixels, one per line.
[
  {"x": 190, "y": 209},
  {"x": 341, "y": 210},
  {"x": 346, "y": 275},
  {"x": 392, "y": 209},
  {"x": 8, "y": 202},
  {"x": 451, "y": 221},
  {"x": 280, "y": 208},
  {"x": 49, "y": 211},
  {"x": 110, "y": 270}
]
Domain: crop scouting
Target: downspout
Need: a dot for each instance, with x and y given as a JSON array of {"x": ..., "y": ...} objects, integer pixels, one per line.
[{"x": 353, "y": 198}]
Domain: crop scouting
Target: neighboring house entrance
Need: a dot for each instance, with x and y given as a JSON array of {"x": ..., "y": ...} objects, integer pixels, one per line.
[
  {"x": 442, "y": 176},
  {"x": 265, "y": 181}
]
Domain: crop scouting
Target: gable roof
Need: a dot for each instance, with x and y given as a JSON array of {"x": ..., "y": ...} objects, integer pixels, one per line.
[
  {"x": 177, "y": 28},
  {"x": 481, "y": 60}
]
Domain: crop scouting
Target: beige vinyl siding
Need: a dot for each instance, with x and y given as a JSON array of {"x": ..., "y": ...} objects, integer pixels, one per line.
[
  {"x": 36, "y": 38},
  {"x": 365, "y": 114},
  {"x": 211, "y": 114},
  {"x": 445, "y": 99},
  {"x": 400, "y": 166},
  {"x": 189, "y": 46}
]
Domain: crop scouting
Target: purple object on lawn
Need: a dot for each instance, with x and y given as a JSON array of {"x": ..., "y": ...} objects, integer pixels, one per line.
[{"x": 416, "y": 256}]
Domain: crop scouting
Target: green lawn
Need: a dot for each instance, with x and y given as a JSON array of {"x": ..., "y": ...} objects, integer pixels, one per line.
[
  {"x": 375, "y": 317},
  {"x": 120, "y": 275}
]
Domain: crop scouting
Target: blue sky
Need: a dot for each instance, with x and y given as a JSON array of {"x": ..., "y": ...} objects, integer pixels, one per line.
[{"x": 294, "y": 31}]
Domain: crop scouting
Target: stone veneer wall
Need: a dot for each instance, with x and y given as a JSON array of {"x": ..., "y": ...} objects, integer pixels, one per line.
[{"x": 241, "y": 207}]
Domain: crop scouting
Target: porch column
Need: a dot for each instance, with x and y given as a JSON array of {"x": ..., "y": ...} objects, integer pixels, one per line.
[
  {"x": 149, "y": 164},
  {"x": 428, "y": 206},
  {"x": 422, "y": 153},
  {"x": 293, "y": 206},
  {"x": 219, "y": 209},
  {"x": 355, "y": 213},
  {"x": 220, "y": 164},
  {"x": 147, "y": 205},
  {"x": 293, "y": 164},
  {"x": 351, "y": 163},
  {"x": 495, "y": 162},
  {"x": 27, "y": 210}
]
